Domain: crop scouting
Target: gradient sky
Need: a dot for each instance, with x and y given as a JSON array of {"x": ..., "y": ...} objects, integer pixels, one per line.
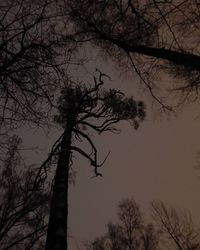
[{"x": 156, "y": 162}]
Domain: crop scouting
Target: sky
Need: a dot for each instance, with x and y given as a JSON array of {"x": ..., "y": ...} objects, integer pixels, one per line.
[{"x": 156, "y": 162}]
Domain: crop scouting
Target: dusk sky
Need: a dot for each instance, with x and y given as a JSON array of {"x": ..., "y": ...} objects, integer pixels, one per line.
[
  {"x": 156, "y": 162},
  {"x": 58, "y": 61}
]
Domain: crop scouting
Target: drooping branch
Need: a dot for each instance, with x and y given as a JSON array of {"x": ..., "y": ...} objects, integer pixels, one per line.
[
  {"x": 92, "y": 157},
  {"x": 93, "y": 108},
  {"x": 105, "y": 126}
]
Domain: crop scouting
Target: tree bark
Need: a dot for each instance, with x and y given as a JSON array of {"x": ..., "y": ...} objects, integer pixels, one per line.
[{"x": 57, "y": 228}]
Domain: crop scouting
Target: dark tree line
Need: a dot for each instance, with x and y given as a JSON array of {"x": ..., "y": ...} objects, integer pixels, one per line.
[
  {"x": 171, "y": 228},
  {"x": 130, "y": 232}
]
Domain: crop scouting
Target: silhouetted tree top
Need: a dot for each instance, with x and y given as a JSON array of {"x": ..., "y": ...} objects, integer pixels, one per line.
[
  {"x": 129, "y": 214},
  {"x": 145, "y": 35},
  {"x": 95, "y": 108},
  {"x": 172, "y": 228},
  {"x": 82, "y": 104},
  {"x": 92, "y": 108},
  {"x": 176, "y": 225},
  {"x": 81, "y": 109},
  {"x": 130, "y": 232},
  {"x": 32, "y": 55}
]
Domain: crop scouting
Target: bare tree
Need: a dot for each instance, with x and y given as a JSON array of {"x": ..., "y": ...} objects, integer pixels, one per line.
[
  {"x": 150, "y": 238},
  {"x": 33, "y": 54},
  {"x": 131, "y": 218},
  {"x": 172, "y": 229},
  {"x": 115, "y": 237},
  {"x": 130, "y": 232},
  {"x": 98, "y": 244},
  {"x": 177, "y": 226},
  {"x": 82, "y": 109},
  {"x": 146, "y": 35},
  {"x": 23, "y": 207}
]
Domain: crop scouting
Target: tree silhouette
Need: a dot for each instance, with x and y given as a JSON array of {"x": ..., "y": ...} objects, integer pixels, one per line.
[
  {"x": 130, "y": 232},
  {"x": 115, "y": 236},
  {"x": 131, "y": 218},
  {"x": 82, "y": 109},
  {"x": 177, "y": 226},
  {"x": 150, "y": 237},
  {"x": 172, "y": 229},
  {"x": 23, "y": 207},
  {"x": 146, "y": 35},
  {"x": 32, "y": 55}
]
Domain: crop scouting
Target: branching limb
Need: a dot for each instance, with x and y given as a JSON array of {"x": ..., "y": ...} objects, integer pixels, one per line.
[
  {"x": 149, "y": 87},
  {"x": 105, "y": 126},
  {"x": 47, "y": 163},
  {"x": 93, "y": 161}
]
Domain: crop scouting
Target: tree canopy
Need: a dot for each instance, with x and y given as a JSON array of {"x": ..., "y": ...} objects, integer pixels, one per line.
[
  {"x": 150, "y": 37},
  {"x": 170, "y": 228},
  {"x": 94, "y": 109}
]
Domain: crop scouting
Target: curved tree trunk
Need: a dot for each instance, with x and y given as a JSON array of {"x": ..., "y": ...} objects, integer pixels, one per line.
[
  {"x": 185, "y": 59},
  {"x": 57, "y": 228},
  {"x": 179, "y": 58},
  {"x": 182, "y": 58}
]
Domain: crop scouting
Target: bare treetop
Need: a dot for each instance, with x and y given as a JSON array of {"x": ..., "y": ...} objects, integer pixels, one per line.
[
  {"x": 151, "y": 37},
  {"x": 32, "y": 54},
  {"x": 107, "y": 107}
]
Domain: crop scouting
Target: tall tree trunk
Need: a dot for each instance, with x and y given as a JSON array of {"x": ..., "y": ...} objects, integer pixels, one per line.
[
  {"x": 183, "y": 58},
  {"x": 187, "y": 60},
  {"x": 57, "y": 228},
  {"x": 179, "y": 58}
]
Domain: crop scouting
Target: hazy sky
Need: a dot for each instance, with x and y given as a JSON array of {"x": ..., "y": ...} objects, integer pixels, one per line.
[{"x": 156, "y": 162}]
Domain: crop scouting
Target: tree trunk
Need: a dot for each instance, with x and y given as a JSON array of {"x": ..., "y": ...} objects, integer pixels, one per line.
[
  {"x": 179, "y": 58},
  {"x": 187, "y": 60},
  {"x": 57, "y": 228}
]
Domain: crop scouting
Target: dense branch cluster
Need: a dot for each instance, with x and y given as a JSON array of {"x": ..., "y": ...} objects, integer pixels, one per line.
[
  {"x": 171, "y": 228},
  {"x": 177, "y": 226},
  {"x": 120, "y": 20},
  {"x": 23, "y": 208},
  {"x": 96, "y": 109},
  {"x": 129, "y": 233},
  {"x": 147, "y": 37},
  {"x": 30, "y": 60}
]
